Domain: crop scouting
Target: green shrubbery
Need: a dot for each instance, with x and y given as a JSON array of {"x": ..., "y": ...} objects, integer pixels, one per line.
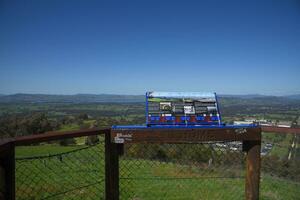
[{"x": 283, "y": 168}]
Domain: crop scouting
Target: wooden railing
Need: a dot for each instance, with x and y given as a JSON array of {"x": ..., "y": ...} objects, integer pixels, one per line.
[
  {"x": 277, "y": 129},
  {"x": 7, "y": 154},
  {"x": 250, "y": 137}
]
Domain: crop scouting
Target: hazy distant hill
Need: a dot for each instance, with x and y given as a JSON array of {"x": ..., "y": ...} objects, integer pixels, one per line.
[
  {"x": 113, "y": 98},
  {"x": 78, "y": 98},
  {"x": 252, "y": 96},
  {"x": 295, "y": 96},
  {"x": 243, "y": 96}
]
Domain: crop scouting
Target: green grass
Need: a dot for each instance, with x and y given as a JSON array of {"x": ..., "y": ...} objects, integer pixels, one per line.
[
  {"x": 70, "y": 127},
  {"x": 273, "y": 188},
  {"x": 146, "y": 179},
  {"x": 74, "y": 127},
  {"x": 89, "y": 122},
  {"x": 44, "y": 150},
  {"x": 139, "y": 178}
]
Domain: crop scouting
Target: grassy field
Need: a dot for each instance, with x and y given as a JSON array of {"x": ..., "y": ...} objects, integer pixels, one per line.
[
  {"x": 43, "y": 150},
  {"x": 80, "y": 175}
]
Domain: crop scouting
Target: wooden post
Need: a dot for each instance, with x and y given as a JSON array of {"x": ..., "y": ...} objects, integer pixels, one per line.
[
  {"x": 7, "y": 172},
  {"x": 252, "y": 169},
  {"x": 111, "y": 169}
]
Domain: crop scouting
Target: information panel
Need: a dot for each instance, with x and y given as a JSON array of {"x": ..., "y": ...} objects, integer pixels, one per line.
[{"x": 182, "y": 108}]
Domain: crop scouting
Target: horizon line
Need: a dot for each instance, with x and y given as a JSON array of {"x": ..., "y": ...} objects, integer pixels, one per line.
[{"x": 74, "y": 94}]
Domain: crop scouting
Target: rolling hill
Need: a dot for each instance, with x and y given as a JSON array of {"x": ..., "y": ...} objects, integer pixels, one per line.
[{"x": 114, "y": 98}]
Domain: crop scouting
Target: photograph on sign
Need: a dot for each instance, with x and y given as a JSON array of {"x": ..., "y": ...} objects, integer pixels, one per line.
[
  {"x": 165, "y": 106},
  {"x": 189, "y": 109}
]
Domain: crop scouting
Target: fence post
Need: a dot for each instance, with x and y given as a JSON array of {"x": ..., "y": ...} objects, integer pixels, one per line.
[
  {"x": 111, "y": 169},
  {"x": 252, "y": 169},
  {"x": 7, "y": 171}
]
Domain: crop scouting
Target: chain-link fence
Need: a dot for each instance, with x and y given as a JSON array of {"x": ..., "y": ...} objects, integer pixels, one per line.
[
  {"x": 211, "y": 170},
  {"x": 61, "y": 171},
  {"x": 280, "y": 170},
  {"x": 205, "y": 170}
]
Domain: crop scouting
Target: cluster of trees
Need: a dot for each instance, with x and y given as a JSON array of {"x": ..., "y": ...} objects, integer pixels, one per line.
[
  {"x": 18, "y": 125},
  {"x": 12, "y": 125},
  {"x": 36, "y": 123}
]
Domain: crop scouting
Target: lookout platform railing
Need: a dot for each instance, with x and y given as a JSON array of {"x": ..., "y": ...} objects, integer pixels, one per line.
[{"x": 133, "y": 163}]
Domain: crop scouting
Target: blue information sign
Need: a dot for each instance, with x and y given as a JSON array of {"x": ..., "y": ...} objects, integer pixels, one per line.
[{"x": 182, "y": 108}]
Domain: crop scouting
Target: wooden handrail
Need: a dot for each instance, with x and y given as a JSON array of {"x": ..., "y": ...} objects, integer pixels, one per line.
[
  {"x": 185, "y": 135},
  {"x": 277, "y": 129},
  {"x": 49, "y": 136},
  {"x": 58, "y": 135}
]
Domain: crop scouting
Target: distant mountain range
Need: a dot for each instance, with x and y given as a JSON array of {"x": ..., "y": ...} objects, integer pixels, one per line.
[
  {"x": 295, "y": 96},
  {"x": 77, "y": 98},
  {"x": 244, "y": 96},
  {"x": 112, "y": 98}
]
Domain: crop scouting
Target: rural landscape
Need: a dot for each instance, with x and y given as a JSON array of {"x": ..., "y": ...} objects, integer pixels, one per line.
[
  {"x": 149, "y": 100},
  {"x": 147, "y": 171}
]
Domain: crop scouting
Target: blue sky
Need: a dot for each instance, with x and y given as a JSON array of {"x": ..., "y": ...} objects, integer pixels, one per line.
[{"x": 129, "y": 47}]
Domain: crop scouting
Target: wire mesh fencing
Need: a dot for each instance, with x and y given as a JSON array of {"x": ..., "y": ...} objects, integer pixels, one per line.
[
  {"x": 206, "y": 170},
  {"x": 211, "y": 170},
  {"x": 61, "y": 170},
  {"x": 280, "y": 169}
]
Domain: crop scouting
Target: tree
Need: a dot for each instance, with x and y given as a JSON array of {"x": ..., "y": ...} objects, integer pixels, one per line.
[{"x": 17, "y": 125}]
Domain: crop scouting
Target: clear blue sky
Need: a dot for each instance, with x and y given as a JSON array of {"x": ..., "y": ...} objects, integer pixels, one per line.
[{"x": 129, "y": 47}]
